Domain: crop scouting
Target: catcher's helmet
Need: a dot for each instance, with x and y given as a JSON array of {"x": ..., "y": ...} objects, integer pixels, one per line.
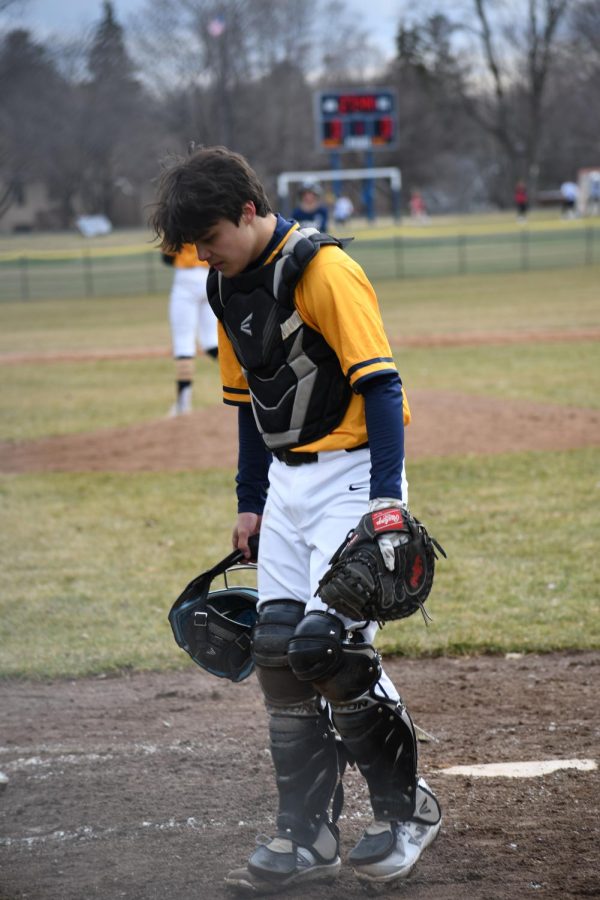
[
  {"x": 313, "y": 186},
  {"x": 214, "y": 627}
]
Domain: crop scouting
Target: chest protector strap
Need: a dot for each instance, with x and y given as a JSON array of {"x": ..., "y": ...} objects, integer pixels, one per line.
[{"x": 298, "y": 390}]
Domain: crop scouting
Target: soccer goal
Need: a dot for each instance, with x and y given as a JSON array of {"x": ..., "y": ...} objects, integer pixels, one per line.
[{"x": 374, "y": 191}]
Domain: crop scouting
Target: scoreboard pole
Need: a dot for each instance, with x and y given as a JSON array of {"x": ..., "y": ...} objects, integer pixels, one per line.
[
  {"x": 336, "y": 165},
  {"x": 368, "y": 188}
]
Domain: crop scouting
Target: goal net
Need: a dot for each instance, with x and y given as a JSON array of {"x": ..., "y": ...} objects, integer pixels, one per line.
[{"x": 374, "y": 192}]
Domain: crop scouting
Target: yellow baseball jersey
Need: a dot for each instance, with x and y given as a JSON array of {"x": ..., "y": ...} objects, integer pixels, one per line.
[
  {"x": 335, "y": 298},
  {"x": 187, "y": 258}
]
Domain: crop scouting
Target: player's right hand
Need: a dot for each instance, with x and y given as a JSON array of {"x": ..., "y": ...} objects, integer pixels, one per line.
[{"x": 247, "y": 524}]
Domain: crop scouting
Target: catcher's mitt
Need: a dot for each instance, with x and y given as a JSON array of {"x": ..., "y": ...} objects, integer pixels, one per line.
[{"x": 358, "y": 584}]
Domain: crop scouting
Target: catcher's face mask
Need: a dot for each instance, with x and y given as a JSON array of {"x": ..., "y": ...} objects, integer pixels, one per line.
[{"x": 215, "y": 627}]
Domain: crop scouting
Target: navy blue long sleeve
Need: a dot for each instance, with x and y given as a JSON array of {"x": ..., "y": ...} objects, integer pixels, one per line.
[
  {"x": 385, "y": 428},
  {"x": 253, "y": 464}
]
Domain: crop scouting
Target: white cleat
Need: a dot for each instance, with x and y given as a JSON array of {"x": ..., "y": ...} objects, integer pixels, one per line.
[
  {"x": 388, "y": 851},
  {"x": 183, "y": 405}
]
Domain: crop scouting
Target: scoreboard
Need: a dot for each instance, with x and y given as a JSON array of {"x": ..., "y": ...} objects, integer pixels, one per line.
[{"x": 356, "y": 119}]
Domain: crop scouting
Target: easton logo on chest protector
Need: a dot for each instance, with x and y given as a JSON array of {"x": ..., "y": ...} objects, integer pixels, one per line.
[
  {"x": 298, "y": 390},
  {"x": 245, "y": 325}
]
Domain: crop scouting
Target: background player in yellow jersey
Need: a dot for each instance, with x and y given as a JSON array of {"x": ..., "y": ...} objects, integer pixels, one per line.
[
  {"x": 321, "y": 412},
  {"x": 192, "y": 321}
]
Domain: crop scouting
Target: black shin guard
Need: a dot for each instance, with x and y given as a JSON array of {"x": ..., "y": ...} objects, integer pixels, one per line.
[
  {"x": 305, "y": 758},
  {"x": 303, "y": 744},
  {"x": 379, "y": 735}
]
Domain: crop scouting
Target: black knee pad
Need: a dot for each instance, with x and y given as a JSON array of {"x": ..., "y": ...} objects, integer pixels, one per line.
[
  {"x": 341, "y": 669},
  {"x": 277, "y": 621},
  {"x": 380, "y": 737}
]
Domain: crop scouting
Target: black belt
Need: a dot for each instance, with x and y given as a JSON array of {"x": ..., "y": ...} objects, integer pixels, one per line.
[{"x": 298, "y": 457}]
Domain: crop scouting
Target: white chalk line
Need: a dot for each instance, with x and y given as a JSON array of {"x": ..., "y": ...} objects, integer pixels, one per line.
[
  {"x": 87, "y": 833},
  {"x": 42, "y": 759},
  {"x": 528, "y": 769}
]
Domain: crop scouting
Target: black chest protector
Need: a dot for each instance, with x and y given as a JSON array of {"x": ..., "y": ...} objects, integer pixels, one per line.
[{"x": 298, "y": 389}]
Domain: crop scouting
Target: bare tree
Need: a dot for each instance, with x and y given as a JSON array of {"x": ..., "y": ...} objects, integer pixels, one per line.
[
  {"x": 519, "y": 56},
  {"x": 345, "y": 51},
  {"x": 585, "y": 31},
  {"x": 437, "y": 150},
  {"x": 571, "y": 129},
  {"x": 217, "y": 52},
  {"x": 14, "y": 5},
  {"x": 251, "y": 64},
  {"x": 508, "y": 51},
  {"x": 490, "y": 90}
]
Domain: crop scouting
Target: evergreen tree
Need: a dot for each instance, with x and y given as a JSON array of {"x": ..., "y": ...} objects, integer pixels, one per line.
[
  {"x": 115, "y": 105},
  {"x": 30, "y": 90}
]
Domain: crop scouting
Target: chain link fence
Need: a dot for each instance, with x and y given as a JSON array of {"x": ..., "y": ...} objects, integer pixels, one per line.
[{"x": 33, "y": 277}]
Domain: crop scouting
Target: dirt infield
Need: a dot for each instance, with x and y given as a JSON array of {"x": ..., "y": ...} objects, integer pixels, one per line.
[
  {"x": 460, "y": 339},
  {"x": 150, "y": 787},
  {"x": 446, "y": 423}
]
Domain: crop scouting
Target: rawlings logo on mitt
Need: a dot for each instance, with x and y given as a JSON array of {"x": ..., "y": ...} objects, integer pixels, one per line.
[{"x": 360, "y": 586}]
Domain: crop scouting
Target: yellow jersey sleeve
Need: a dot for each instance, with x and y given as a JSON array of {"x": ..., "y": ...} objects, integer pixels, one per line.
[
  {"x": 335, "y": 298},
  {"x": 235, "y": 386}
]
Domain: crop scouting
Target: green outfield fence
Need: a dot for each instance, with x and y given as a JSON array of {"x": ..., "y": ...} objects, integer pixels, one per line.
[{"x": 31, "y": 277}]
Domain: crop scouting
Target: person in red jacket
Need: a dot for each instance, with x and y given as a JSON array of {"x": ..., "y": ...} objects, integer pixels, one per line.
[{"x": 521, "y": 200}]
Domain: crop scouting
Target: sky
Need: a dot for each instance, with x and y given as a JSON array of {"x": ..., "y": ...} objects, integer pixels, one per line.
[{"x": 64, "y": 17}]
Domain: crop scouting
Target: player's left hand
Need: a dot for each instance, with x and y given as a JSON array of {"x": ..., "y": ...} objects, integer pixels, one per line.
[
  {"x": 389, "y": 539},
  {"x": 360, "y": 584}
]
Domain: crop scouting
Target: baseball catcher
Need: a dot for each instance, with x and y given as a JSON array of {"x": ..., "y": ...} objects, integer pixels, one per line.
[
  {"x": 384, "y": 568},
  {"x": 321, "y": 411}
]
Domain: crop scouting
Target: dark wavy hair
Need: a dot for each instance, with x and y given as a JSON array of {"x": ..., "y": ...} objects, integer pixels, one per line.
[{"x": 195, "y": 191}]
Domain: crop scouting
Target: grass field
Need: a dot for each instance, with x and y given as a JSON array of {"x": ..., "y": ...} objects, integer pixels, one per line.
[
  {"x": 39, "y": 399},
  {"x": 92, "y": 562}
]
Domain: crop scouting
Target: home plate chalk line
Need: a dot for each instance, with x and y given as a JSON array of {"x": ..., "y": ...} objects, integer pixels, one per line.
[{"x": 531, "y": 769}]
